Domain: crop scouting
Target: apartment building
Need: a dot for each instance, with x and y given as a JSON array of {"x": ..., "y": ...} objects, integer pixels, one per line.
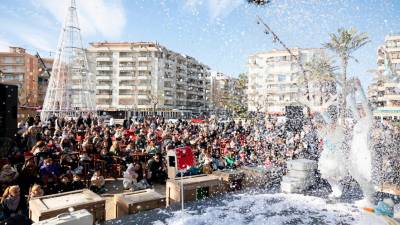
[
  {"x": 145, "y": 77},
  {"x": 225, "y": 92},
  {"x": 273, "y": 79},
  {"x": 23, "y": 69},
  {"x": 384, "y": 91},
  {"x": 45, "y": 68}
]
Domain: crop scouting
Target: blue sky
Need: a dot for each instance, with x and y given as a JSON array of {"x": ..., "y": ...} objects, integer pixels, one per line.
[{"x": 219, "y": 33}]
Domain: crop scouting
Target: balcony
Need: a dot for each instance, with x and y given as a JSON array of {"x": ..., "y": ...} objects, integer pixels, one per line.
[
  {"x": 393, "y": 49},
  {"x": 126, "y": 68},
  {"x": 143, "y": 77},
  {"x": 144, "y": 68},
  {"x": 144, "y": 88},
  {"x": 128, "y": 96},
  {"x": 393, "y": 85},
  {"x": 103, "y": 77},
  {"x": 103, "y": 68},
  {"x": 126, "y": 59},
  {"x": 103, "y": 59},
  {"x": 102, "y": 96},
  {"x": 76, "y": 77},
  {"x": 103, "y": 106},
  {"x": 103, "y": 87},
  {"x": 142, "y": 59},
  {"x": 395, "y": 61},
  {"x": 126, "y": 87},
  {"x": 140, "y": 96},
  {"x": 126, "y": 78},
  {"x": 392, "y": 97}
]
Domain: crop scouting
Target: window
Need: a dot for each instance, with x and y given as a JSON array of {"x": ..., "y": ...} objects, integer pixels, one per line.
[
  {"x": 167, "y": 84},
  {"x": 281, "y": 78},
  {"x": 144, "y": 102},
  {"x": 19, "y": 60},
  {"x": 104, "y": 92},
  {"x": 125, "y": 101},
  {"x": 125, "y": 92}
]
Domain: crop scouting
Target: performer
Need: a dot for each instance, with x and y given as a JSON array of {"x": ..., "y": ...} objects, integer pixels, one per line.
[{"x": 360, "y": 156}]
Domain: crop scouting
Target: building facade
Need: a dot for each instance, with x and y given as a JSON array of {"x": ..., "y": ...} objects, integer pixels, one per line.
[
  {"x": 273, "y": 78},
  {"x": 227, "y": 94},
  {"x": 24, "y": 70},
  {"x": 384, "y": 91},
  {"x": 145, "y": 77}
]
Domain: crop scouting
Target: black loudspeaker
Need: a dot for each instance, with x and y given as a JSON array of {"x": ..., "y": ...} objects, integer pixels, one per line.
[
  {"x": 8, "y": 110},
  {"x": 294, "y": 118}
]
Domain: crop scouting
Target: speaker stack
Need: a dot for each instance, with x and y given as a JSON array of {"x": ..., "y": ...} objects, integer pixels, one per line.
[
  {"x": 8, "y": 110},
  {"x": 294, "y": 118}
]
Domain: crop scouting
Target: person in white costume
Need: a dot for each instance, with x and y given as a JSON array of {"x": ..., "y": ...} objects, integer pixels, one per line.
[
  {"x": 331, "y": 163},
  {"x": 360, "y": 156},
  {"x": 332, "y": 160}
]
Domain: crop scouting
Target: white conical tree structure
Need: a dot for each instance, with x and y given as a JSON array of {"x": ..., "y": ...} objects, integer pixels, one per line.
[{"x": 71, "y": 89}]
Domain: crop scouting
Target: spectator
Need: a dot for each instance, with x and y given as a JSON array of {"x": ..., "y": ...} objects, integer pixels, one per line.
[
  {"x": 157, "y": 169},
  {"x": 28, "y": 177},
  {"x": 134, "y": 178},
  {"x": 77, "y": 183},
  {"x": 49, "y": 175},
  {"x": 65, "y": 184},
  {"x": 35, "y": 191},
  {"x": 8, "y": 174},
  {"x": 97, "y": 182},
  {"x": 13, "y": 203}
]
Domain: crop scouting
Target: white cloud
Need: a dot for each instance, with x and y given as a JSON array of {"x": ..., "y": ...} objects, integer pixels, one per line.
[
  {"x": 4, "y": 44},
  {"x": 27, "y": 35},
  {"x": 193, "y": 4},
  {"x": 222, "y": 8},
  {"x": 216, "y": 8},
  {"x": 103, "y": 17},
  {"x": 38, "y": 40}
]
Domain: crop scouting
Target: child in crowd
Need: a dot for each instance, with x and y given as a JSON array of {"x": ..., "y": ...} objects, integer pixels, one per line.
[
  {"x": 133, "y": 178},
  {"x": 97, "y": 182},
  {"x": 49, "y": 174},
  {"x": 8, "y": 174},
  {"x": 64, "y": 185},
  {"x": 35, "y": 191},
  {"x": 77, "y": 183},
  {"x": 12, "y": 202}
]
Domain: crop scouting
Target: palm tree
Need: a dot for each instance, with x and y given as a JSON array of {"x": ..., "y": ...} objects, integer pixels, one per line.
[
  {"x": 344, "y": 43},
  {"x": 321, "y": 74}
]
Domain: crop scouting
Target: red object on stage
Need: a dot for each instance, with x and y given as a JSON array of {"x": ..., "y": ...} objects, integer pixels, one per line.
[
  {"x": 184, "y": 158},
  {"x": 198, "y": 121}
]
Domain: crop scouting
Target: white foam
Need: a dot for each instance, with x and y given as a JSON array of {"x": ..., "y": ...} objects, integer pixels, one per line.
[{"x": 252, "y": 209}]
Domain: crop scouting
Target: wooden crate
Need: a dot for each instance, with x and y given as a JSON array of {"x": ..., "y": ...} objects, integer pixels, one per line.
[
  {"x": 255, "y": 176},
  {"x": 232, "y": 179},
  {"x": 134, "y": 202},
  {"x": 49, "y": 206},
  {"x": 208, "y": 184}
]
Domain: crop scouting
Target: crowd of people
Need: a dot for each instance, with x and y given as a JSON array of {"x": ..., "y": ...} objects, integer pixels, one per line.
[{"x": 64, "y": 154}]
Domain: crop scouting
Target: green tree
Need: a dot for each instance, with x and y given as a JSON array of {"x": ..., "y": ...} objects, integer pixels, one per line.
[
  {"x": 321, "y": 73},
  {"x": 344, "y": 43}
]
